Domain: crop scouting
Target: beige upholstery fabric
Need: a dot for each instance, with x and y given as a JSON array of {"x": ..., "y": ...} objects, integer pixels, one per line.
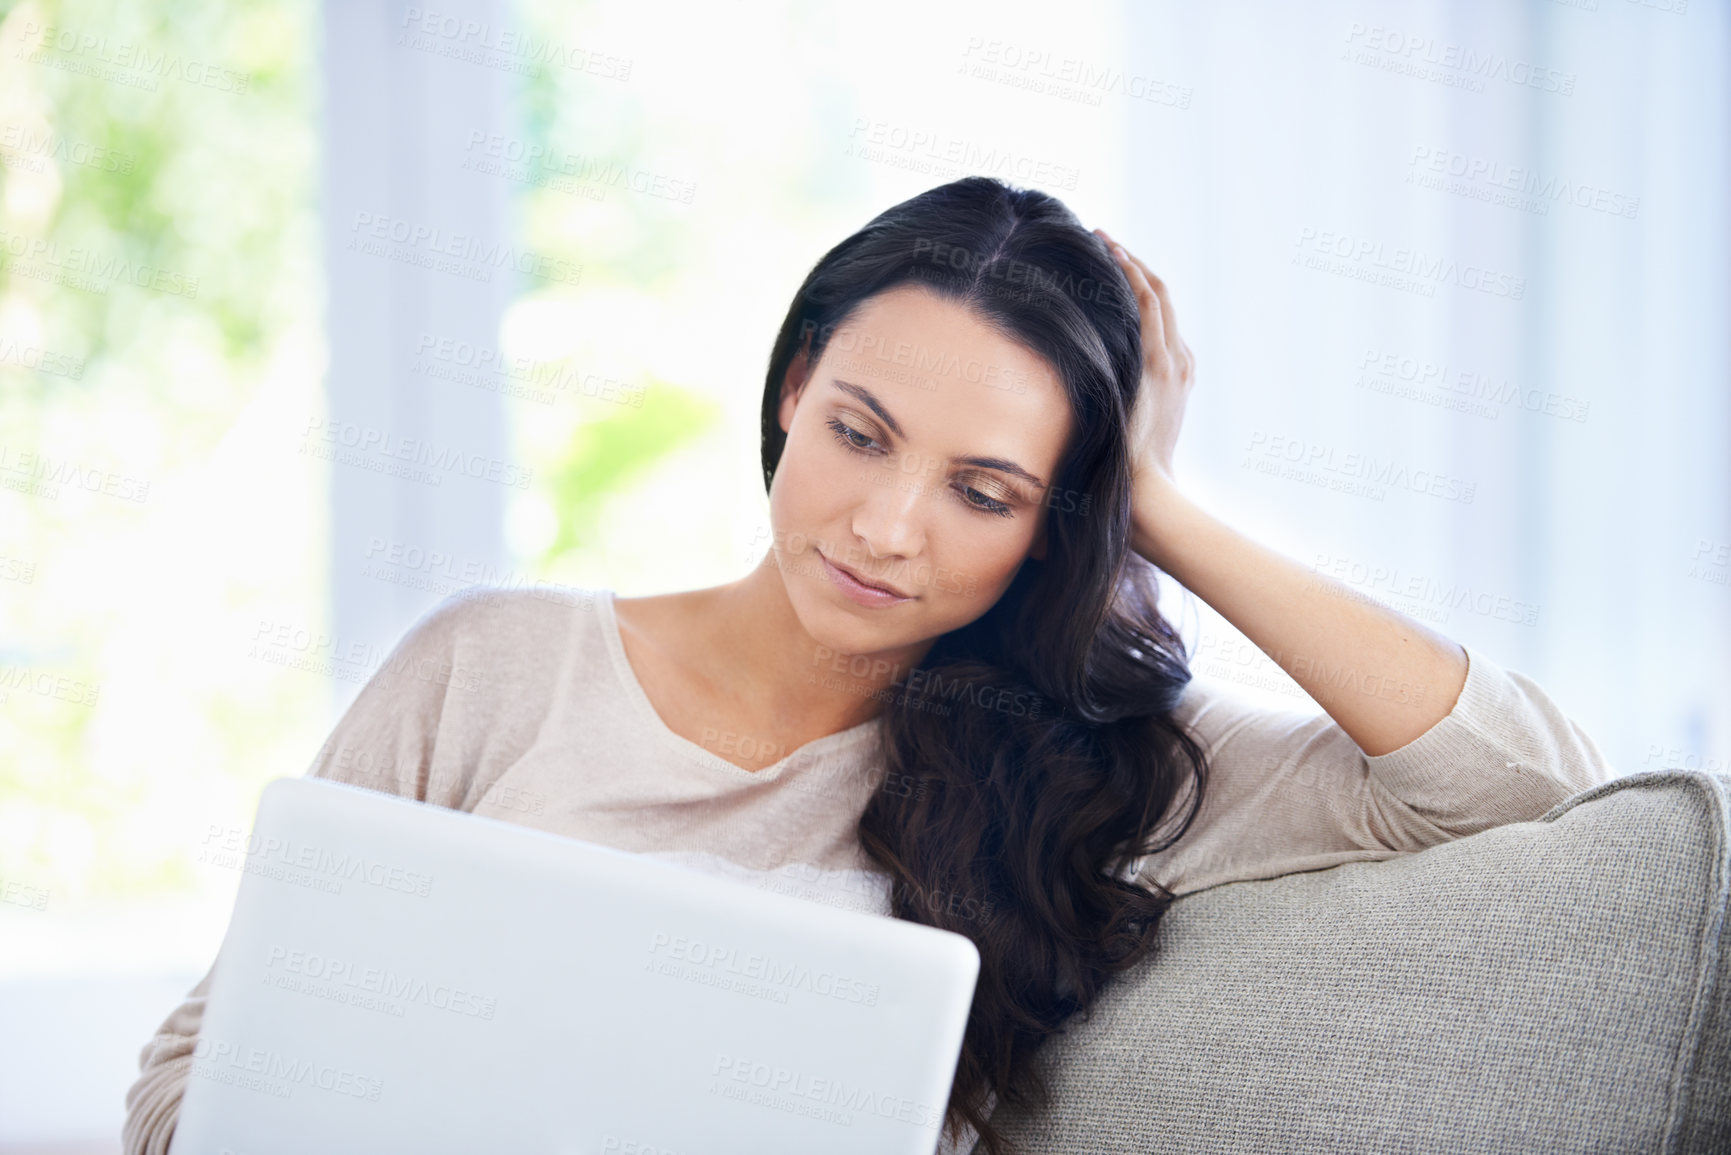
[{"x": 1558, "y": 985}]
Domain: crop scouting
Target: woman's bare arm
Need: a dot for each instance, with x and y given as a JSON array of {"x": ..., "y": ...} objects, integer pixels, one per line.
[{"x": 1384, "y": 678}]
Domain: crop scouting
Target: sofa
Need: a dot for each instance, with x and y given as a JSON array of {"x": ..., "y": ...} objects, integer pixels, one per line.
[{"x": 1559, "y": 985}]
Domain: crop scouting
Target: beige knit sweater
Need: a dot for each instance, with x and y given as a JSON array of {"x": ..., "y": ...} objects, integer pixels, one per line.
[{"x": 521, "y": 705}]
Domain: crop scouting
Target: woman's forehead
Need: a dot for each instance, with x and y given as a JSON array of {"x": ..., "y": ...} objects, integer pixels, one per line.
[
  {"x": 949, "y": 379},
  {"x": 910, "y": 330}
]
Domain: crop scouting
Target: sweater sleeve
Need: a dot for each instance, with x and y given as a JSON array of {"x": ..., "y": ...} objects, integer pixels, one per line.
[
  {"x": 1289, "y": 790},
  {"x": 383, "y": 741}
]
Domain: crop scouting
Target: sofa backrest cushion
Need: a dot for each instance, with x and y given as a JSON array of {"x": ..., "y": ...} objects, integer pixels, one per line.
[{"x": 1554, "y": 985}]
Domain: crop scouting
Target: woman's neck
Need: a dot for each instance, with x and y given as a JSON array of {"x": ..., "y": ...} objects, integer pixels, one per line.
[{"x": 749, "y": 636}]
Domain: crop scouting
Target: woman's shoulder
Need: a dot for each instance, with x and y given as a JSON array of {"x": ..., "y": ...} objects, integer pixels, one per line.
[
  {"x": 483, "y": 613},
  {"x": 483, "y": 634},
  {"x": 1213, "y": 710},
  {"x": 475, "y": 675},
  {"x": 529, "y": 601}
]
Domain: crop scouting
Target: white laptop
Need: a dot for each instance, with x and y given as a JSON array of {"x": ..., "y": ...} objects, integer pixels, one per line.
[{"x": 401, "y": 977}]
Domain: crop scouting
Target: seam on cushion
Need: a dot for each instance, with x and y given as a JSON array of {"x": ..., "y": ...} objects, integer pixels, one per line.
[
  {"x": 1706, "y": 986},
  {"x": 1715, "y": 793},
  {"x": 1712, "y": 791},
  {"x": 1634, "y": 780}
]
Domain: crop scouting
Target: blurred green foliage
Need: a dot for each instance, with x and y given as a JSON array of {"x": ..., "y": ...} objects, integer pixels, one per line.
[
  {"x": 607, "y": 455},
  {"x": 182, "y": 136},
  {"x": 124, "y": 163},
  {"x": 213, "y": 186}
]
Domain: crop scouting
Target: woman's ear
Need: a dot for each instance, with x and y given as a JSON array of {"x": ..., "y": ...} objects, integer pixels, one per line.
[{"x": 792, "y": 384}]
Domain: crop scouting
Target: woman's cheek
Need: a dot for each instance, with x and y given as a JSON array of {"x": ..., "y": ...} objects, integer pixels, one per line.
[
  {"x": 799, "y": 489},
  {"x": 977, "y": 567}
]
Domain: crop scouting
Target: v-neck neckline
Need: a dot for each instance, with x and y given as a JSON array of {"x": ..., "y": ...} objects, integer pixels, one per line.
[{"x": 639, "y": 698}]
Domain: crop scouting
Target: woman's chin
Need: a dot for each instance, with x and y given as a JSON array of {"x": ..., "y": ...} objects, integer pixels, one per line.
[{"x": 835, "y": 623}]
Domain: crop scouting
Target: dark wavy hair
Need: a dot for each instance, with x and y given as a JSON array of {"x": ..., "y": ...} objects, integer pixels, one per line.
[{"x": 1046, "y": 767}]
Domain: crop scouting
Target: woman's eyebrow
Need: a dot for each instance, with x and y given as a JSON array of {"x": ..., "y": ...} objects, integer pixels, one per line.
[
  {"x": 1002, "y": 464},
  {"x": 866, "y": 395}
]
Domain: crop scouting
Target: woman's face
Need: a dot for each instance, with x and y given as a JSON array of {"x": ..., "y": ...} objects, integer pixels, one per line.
[{"x": 919, "y": 452}]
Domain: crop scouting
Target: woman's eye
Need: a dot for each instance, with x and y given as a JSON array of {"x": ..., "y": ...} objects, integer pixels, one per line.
[
  {"x": 971, "y": 497},
  {"x": 846, "y": 434},
  {"x": 988, "y": 504}
]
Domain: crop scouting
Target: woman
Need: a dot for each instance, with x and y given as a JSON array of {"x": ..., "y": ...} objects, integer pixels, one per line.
[{"x": 947, "y": 688}]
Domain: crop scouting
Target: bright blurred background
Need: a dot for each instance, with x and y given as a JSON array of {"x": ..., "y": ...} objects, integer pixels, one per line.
[{"x": 254, "y": 255}]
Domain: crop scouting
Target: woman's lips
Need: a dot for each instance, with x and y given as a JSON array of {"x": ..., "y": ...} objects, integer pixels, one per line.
[{"x": 856, "y": 590}]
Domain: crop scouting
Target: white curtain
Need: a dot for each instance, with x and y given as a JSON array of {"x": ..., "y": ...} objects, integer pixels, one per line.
[{"x": 1455, "y": 275}]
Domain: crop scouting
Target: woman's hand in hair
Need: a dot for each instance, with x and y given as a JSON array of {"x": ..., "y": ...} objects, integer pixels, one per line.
[
  {"x": 1310, "y": 624},
  {"x": 1168, "y": 371}
]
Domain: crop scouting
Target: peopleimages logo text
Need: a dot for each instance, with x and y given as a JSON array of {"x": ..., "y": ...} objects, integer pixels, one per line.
[
  {"x": 383, "y": 981},
  {"x": 800, "y": 1086},
  {"x": 1367, "y": 253},
  {"x": 319, "y": 860},
  {"x": 766, "y": 968},
  {"x": 278, "y": 1073},
  {"x": 1480, "y": 65}
]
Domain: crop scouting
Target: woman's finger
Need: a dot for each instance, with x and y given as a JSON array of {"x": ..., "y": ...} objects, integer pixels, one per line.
[
  {"x": 1142, "y": 278},
  {"x": 1169, "y": 316},
  {"x": 1148, "y": 302}
]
